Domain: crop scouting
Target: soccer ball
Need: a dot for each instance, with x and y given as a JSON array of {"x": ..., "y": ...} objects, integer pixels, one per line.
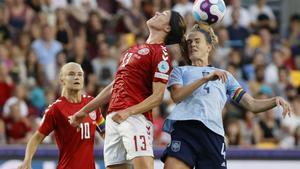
[{"x": 209, "y": 11}]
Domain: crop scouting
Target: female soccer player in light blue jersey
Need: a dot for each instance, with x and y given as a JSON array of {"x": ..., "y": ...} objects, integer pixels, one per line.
[{"x": 200, "y": 93}]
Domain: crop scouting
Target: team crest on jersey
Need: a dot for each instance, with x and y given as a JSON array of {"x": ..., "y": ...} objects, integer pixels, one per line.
[
  {"x": 163, "y": 66},
  {"x": 175, "y": 146},
  {"x": 143, "y": 51},
  {"x": 92, "y": 115}
]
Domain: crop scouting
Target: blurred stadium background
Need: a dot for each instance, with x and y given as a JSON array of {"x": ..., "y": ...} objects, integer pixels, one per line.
[{"x": 259, "y": 44}]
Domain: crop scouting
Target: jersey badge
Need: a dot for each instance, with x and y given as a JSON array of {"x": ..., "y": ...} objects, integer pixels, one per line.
[
  {"x": 143, "y": 51},
  {"x": 93, "y": 115},
  {"x": 163, "y": 66},
  {"x": 175, "y": 146}
]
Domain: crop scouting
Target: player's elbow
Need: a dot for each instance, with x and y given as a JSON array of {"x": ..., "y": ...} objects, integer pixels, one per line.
[{"x": 175, "y": 99}]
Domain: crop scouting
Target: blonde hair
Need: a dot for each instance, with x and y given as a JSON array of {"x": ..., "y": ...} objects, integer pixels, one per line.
[{"x": 208, "y": 31}]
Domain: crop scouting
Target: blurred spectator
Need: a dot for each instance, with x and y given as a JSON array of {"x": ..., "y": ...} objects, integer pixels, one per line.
[
  {"x": 33, "y": 68},
  {"x": 17, "y": 127},
  {"x": 235, "y": 58},
  {"x": 233, "y": 132},
  {"x": 270, "y": 126},
  {"x": 46, "y": 49},
  {"x": 104, "y": 65},
  {"x": 219, "y": 59},
  {"x": 64, "y": 32},
  {"x": 250, "y": 130},
  {"x": 292, "y": 141},
  {"x": 290, "y": 124},
  {"x": 4, "y": 32},
  {"x": 281, "y": 88},
  {"x": 244, "y": 19},
  {"x": 6, "y": 87},
  {"x": 19, "y": 97},
  {"x": 86, "y": 4},
  {"x": 55, "y": 4},
  {"x": 183, "y": 7},
  {"x": 233, "y": 69},
  {"x": 237, "y": 33},
  {"x": 257, "y": 61},
  {"x": 272, "y": 69},
  {"x": 18, "y": 70},
  {"x": 259, "y": 8},
  {"x": 5, "y": 58},
  {"x": 24, "y": 43},
  {"x": 259, "y": 81},
  {"x": 289, "y": 61},
  {"x": 18, "y": 16},
  {"x": 79, "y": 55},
  {"x": 93, "y": 27},
  {"x": 294, "y": 38}
]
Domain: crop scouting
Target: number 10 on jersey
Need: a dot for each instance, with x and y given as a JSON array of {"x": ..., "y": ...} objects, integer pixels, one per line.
[{"x": 85, "y": 131}]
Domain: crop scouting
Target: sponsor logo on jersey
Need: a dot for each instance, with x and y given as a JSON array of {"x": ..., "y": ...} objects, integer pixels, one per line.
[
  {"x": 165, "y": 55},
  {"x": 148, "y": 129},
  {"x": 143, "y": 51},
  {"x": 175, "y": 146},
  {"x": 93, "y": 115},
  {"x": 163, "y": 66}
]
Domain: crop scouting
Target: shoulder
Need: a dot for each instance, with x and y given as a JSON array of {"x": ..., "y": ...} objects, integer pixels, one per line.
[{"x": 53, "y": 107}]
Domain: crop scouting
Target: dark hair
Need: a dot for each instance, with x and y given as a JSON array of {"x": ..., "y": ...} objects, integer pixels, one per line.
[{"x": 178, "y": 28}]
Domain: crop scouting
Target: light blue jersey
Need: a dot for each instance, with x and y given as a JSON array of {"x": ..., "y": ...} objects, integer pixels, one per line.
[{"x": 207, "y": 102}]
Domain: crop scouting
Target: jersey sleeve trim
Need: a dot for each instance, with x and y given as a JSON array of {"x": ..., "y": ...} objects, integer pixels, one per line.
[
  {"x": 238, "y": 94},
  {"x": 161, "y": 76}
]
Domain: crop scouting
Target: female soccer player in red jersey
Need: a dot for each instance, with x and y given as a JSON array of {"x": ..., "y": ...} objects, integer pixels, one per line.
[
  {"x": 138, "y": 87},
  {"x": 76, "y": 148}
]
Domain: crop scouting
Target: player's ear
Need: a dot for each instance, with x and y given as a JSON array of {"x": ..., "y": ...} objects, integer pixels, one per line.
[
  {"x": 209, "y": 48},
  {"x": 167, "y": 29}
]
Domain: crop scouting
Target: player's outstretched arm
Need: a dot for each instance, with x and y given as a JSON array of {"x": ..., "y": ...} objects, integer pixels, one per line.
[
  {"x": 32, "y": 145},
  {"x": 261, "y": 105},
  {"x": 101, "y": 99},
  {"x": 149, "y": 103},
  {"x": 179, "y": 92}
]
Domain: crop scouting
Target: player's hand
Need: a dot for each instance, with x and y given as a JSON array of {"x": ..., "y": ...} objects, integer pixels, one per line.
[
  {"x": 121, "y": 116},
  {"x": 77, "y": 118},
  {"x": 218, "y": 74},
  {"x": 25, "y": 165},
  {"x": 285, "y": 106}
]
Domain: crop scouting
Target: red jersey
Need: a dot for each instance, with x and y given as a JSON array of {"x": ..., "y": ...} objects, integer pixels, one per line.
[
  {"x": 139, "y": 66},
  {"x": 16, "y": 129},
  {"x": 76, "y": 148}
]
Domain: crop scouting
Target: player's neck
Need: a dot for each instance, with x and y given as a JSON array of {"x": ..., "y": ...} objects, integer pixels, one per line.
[
  {"x": 156, "y": 37},
  {"x": 200, "y": 63},
  {"x": 73, "y": 96}
]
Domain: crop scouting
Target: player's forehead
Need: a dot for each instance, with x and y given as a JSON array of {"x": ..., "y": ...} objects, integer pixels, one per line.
[
  {"x": 69, "y": 68},
  {"x": 195, "y": 35}
]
